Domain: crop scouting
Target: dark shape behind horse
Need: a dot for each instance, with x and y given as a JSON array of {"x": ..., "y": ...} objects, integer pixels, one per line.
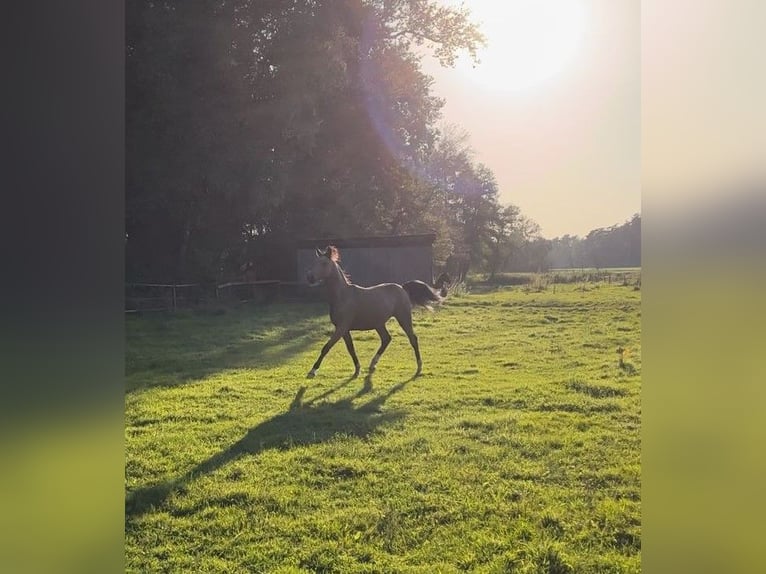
[
  {"x": 458, "y": 264},
  {"x": 355, "y": 308}
]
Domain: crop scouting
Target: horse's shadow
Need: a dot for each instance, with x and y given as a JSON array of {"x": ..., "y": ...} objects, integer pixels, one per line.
[{"x": 305, "y": 422}]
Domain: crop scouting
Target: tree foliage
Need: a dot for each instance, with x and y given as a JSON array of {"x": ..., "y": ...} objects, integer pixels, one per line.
[
  {"x": 283, "y": 118},
  {"x": 615, "y": 246}
]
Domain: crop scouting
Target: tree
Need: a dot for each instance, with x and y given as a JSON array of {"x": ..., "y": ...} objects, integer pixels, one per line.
[
  {"x": 249, "y": 119},
  {"x": 615, "y": 246}
]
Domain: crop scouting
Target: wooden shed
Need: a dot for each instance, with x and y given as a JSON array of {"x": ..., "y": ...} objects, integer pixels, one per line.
[{"x": 375, "y": 259}]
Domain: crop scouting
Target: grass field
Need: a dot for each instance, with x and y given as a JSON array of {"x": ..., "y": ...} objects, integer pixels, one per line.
[{"x": 518, "y": 450}]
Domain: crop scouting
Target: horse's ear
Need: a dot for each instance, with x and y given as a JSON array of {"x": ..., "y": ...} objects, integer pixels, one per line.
[{"x": 318, "y": 252}]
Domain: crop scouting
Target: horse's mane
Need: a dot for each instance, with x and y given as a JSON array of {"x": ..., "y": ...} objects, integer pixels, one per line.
[
  {"x": 333, "y": 254},
  {"x": 346, "y": 276}
]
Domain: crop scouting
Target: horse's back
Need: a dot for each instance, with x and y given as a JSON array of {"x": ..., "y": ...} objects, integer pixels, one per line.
[
  {"x": 382, "y": 295},
  {"x": 375, "y": 305}
]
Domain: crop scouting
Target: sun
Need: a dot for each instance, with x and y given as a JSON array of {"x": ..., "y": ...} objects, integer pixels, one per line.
[{"x": 528, "y": 42}]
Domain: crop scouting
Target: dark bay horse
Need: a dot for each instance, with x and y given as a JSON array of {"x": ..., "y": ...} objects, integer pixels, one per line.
[{"x": 355, "y": 308}]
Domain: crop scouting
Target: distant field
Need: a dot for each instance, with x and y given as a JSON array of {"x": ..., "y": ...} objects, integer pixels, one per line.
[
  {"x": 624, "y": 275},
  {"x": 518, "y": 450}
]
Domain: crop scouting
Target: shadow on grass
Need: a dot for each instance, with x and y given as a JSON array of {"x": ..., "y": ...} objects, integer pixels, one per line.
[
  {"x": 305, "y": 422},
  {"x": 175, "y": 349}
]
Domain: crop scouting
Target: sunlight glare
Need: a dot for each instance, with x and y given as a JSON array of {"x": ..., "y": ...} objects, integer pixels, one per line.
[{"x": 528, "y": 42}]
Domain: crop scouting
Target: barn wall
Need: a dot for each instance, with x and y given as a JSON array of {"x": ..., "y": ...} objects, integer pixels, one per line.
[{"x": 369, "y": 266}]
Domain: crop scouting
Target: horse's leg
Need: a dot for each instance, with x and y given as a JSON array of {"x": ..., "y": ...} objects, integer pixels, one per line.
[
  {"x": 405, "y": 321},
  {"x": 326, "y": 349},
  {"x": 350, "y": 346},
  {"x": 385, "y": 339}
]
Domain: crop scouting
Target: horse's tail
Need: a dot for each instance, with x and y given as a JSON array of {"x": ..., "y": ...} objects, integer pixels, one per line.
[{"x": 422, "y": 294}]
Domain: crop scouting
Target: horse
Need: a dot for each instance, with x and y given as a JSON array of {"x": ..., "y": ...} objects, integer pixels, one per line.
[{"x": 355, "y": 308}]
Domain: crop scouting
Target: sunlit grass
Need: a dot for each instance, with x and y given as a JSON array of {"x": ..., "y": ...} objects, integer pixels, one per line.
[{"x": 517, "y": 450}]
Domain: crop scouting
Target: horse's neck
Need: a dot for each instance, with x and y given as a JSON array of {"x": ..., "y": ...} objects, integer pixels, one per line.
[{"x": 337, "y": 284}]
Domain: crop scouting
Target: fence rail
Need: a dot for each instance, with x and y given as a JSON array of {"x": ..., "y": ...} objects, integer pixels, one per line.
[
  {"x": 162, "y": 296},
  {"x": 140, "y": 297},
  {"x": 263, "y": 291}
]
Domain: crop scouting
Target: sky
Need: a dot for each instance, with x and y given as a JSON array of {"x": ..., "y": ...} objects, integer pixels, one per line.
[
  {"x": 703, "y": 85},
  {"x": 554, "y": 108}
]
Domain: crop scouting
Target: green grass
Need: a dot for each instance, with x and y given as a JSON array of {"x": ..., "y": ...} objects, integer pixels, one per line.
[{"x": 518, "y": 450}]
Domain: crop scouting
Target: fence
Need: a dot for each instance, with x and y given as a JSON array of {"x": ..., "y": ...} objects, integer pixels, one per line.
[
  {"x": 140, "y": 297},
  {"x": 241, "y": 291},
  {"x": 162, "y": 296}
]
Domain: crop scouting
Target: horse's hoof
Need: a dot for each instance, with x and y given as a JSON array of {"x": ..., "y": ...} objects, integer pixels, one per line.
[
  {"x": 312, "y": 374},
  {"x": 356, "y": 374}
]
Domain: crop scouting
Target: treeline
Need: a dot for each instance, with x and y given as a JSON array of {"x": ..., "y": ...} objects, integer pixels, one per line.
[
  {"x": 616, "y": 246},
  {"x": 248, "y": 122}
]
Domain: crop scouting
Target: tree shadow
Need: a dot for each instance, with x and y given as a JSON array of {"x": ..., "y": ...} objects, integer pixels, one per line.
[
  {"x": 304, "y": 423},
  {"x": 173, "y": 350}
]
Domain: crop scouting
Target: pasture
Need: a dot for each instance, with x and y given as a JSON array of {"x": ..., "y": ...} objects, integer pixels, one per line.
[{"x": 517, "y": 450}]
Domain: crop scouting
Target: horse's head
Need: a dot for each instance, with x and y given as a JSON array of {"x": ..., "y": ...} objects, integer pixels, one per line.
[{"x": 324, "y": 265}]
